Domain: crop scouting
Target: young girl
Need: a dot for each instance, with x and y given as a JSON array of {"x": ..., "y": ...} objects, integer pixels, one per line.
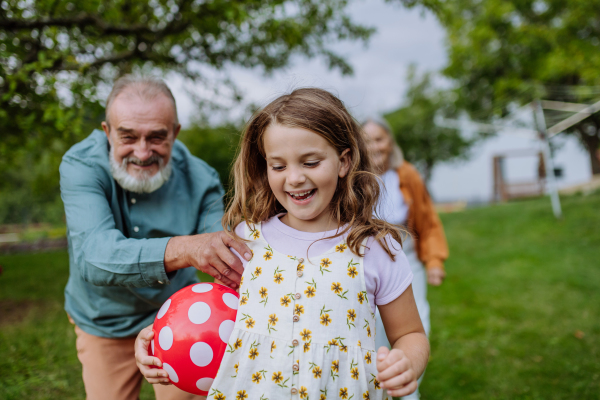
[{"x": 304, "y": 197}]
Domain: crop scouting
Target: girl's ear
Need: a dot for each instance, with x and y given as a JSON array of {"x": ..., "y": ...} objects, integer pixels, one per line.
[{"x": 345, "y": 160}]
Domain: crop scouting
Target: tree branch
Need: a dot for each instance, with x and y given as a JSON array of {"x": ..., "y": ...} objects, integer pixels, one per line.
[{"x": 68, "y": 22}]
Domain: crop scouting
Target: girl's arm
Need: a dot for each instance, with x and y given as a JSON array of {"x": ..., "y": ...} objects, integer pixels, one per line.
[{"x": 400, "y": 368}]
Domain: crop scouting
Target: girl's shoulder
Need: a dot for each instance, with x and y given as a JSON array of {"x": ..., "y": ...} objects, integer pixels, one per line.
[
  {"x": 375, "y": 248},
  {"x": 247, "y": 231}
]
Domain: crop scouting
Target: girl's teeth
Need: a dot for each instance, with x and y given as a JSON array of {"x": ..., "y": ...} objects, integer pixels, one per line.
[{"x": 297, "y": 195}]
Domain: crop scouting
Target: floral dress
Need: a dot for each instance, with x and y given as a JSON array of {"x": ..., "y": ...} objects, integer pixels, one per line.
[{"x": 303, "y": 330}]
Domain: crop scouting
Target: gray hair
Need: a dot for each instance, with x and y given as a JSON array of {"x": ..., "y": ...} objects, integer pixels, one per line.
[
  {"x": 145, "y": 87},
  {"x": 396, "y": 157}
]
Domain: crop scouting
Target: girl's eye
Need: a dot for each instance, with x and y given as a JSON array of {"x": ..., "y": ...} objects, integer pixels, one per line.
[
  {"x": 277, "y": 168},
  {"x": 312, "y": 164}
]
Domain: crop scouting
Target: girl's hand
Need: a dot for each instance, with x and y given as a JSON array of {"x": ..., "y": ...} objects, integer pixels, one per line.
[
  {"x": 144, "y": 360},
  {"x": 396, "y": 372}
]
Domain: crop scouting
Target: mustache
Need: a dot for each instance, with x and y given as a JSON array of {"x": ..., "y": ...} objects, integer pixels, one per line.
[{"x": 154, "y": 158}]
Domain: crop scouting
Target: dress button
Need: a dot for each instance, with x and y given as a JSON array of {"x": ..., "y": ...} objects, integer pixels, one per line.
[
  {"x": 295, "y": 367},
  {"x": 136, "y": 229},
  {"x": 133, "y": 200},
  {"x": 299, "y": 274},
  {"x": 294, "y": 391},
  {"x": 298, "y": 296},
  {"x": 296, "y": 318},
  {"x": 295, "y": 342}
]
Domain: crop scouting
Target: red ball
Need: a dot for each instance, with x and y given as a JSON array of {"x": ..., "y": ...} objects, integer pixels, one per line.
[{"x": 191, "y": 331}]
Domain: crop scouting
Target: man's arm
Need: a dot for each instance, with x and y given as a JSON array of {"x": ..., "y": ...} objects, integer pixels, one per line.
[
  {"x": 209, "y": 250},
  {"x": 105, "y": 257}
]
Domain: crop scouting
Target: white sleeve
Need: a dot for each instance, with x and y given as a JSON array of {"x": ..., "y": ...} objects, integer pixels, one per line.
[{"x": 385, "y": 279}]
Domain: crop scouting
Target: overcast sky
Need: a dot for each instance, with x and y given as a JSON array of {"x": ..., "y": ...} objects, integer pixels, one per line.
[
  {"x": 378, "y": 85},
  {"x": 403, "y": 37}
]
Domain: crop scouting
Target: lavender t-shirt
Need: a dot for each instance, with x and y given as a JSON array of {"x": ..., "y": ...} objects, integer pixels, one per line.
[{"x": 385, "y": 279}]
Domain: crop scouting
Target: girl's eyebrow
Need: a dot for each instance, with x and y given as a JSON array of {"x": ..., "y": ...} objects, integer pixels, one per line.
[{"x": 304, "y": 155}]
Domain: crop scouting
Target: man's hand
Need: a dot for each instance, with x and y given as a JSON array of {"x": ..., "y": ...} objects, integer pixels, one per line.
[
  {"x": 395, "y": 372},
  {"x": 210, "y": 253},
  {"x": 435, "y": 276},
  {"x": 144, "y": 361}
]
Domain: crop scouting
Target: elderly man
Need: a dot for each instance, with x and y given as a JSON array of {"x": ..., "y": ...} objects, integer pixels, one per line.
[{"x": 140, "y": 209}]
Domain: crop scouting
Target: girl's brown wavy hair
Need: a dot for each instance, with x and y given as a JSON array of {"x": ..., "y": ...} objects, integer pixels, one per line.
[{"x": 355, "y": 198}]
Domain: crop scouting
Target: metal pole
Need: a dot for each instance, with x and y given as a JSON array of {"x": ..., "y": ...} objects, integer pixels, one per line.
[{"x": 538, "y": 115}]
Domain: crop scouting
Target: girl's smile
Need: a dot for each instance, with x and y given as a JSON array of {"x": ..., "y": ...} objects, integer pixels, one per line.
[
  {"x": 302, "y": 197},
  {"x": 303, "y": 172}
]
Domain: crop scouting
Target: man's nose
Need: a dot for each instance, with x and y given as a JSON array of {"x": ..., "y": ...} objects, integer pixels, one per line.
[{"x": 142, "y": 150}]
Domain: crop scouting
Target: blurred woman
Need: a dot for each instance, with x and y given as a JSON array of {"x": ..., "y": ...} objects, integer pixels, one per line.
[{"x": 405, "y": 201}]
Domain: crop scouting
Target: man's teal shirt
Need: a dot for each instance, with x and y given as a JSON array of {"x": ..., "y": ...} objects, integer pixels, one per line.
[{"x": 117, "y": 239}]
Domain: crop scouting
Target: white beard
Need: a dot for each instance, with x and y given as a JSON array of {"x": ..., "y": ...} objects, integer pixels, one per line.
[{"x": 144, "y": 184}]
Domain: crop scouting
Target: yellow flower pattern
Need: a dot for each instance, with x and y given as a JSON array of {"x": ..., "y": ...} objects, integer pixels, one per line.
[
  {"x": 305, "y": 334},
  {"x": 277, "y": 377},
  {"x": 241, "y": 395},
  {"x": 332, "y": 322},
  {"x": 317, "y": 371},
  {"x": 303, "y": 392},
  {"x": 343, "y": 393},
  {"x": 310, "y": 292}
]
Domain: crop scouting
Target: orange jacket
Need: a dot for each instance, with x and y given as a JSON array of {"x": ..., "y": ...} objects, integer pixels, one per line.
[{"x": 423, "y": 222}]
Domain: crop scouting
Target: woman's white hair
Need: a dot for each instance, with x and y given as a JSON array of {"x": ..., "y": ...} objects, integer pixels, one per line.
[{"x": 396, "y": 157}]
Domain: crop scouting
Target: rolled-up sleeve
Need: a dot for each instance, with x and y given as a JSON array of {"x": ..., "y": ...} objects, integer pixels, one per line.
[{"x": 103, "y": 255}]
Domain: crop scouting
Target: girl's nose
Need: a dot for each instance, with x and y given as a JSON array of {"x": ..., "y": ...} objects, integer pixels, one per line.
[{"x": 296, "y": 176}]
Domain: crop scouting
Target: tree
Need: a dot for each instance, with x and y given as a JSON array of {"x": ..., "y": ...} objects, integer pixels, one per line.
[
  {"x": 503, "y": 52},
  {"x": 59, "y": 57},
  {"x": 422, "y": 141},
  {"x": 217, "y": 145}
]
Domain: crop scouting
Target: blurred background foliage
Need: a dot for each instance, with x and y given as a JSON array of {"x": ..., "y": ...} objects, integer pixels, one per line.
[
  {"x": 217, "y": 145},
  {"x": 422, "y": 141},
  {"x": 507, "y": 52},
  {"x": 58, "y": 59}
]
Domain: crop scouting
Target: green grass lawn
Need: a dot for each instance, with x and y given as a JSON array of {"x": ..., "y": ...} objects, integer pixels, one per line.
[{"x": 517, "y": 317}]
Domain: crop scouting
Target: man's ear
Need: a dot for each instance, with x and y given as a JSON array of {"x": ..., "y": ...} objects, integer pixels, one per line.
[
  {"x": 176, "y": 131},
  {"x": 106, "y": 130},
  {"x": 345, "y": 159}
]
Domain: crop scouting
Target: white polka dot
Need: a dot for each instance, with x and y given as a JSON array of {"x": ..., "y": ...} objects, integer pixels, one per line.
[
  {"x": 172, "y": 374},
  {"x": 152, "y": 345},
  {"x": 199, "y": 313},
  {"x": 202, "y": 288},
  {"x": 204, "y": 383},
  {"x": 225, "y": 330},
  {"x": 163, "y": 310},
  {"x": 201, "y": 354},
  {"x": 230, "y": 300},
  {"x": 165, "y": 338}
]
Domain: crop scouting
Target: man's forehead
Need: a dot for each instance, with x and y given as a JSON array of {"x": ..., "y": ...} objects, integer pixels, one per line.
[{"x": 135, "y": 113}]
